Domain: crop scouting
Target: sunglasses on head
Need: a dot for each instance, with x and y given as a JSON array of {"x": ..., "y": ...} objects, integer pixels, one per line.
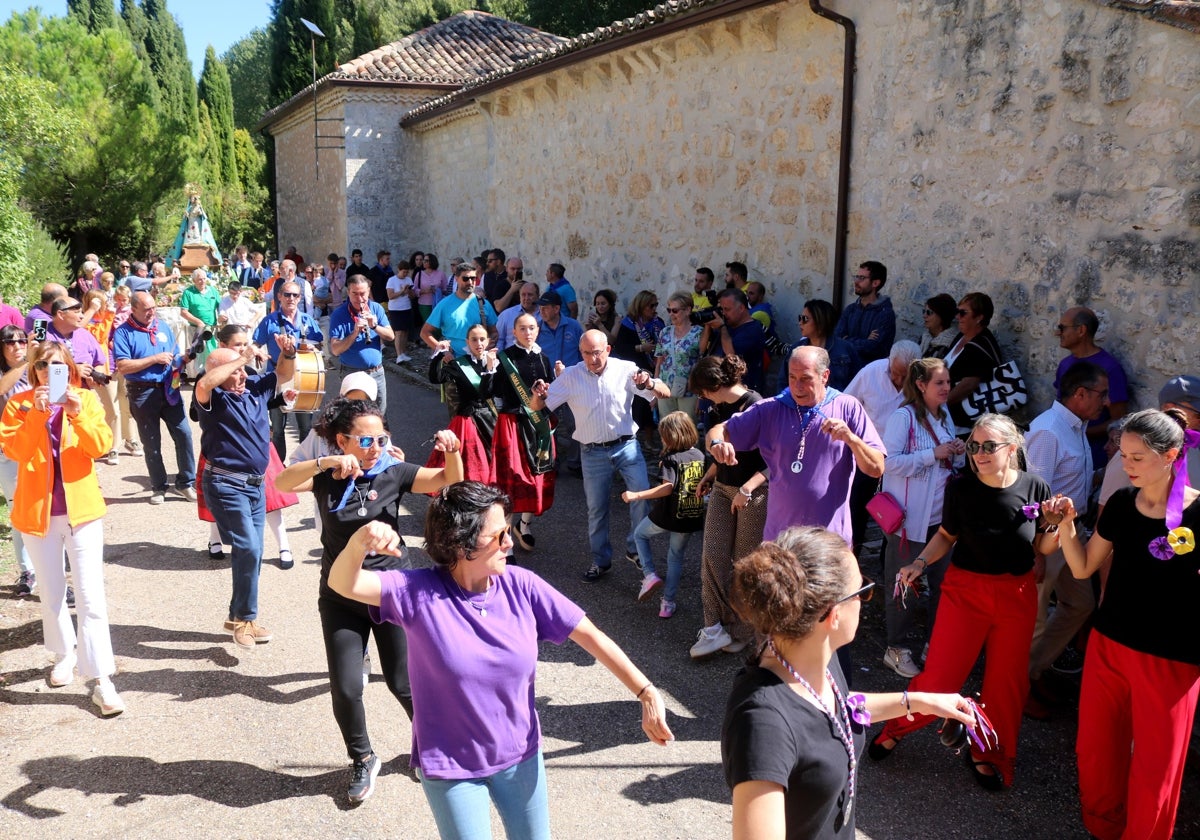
[
  {"x": 366, "y": 441},
  {"x": 988, "y": 447}
]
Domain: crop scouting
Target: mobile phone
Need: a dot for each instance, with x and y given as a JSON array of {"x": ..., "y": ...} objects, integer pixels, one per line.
[
  {"x": 39, "y": 329},
  {"x": 58, "y": 383}
]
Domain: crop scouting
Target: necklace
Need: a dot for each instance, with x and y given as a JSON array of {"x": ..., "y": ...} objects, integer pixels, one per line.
[
  {"x": 840, "y": 725},
  {"x": 364, "y": 497},
  {"x": 807, "y": 415},
  {"x": 479, "y": 606}
]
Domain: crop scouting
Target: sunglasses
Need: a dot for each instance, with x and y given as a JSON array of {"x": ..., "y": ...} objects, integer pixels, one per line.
[
  {"x": 16, "y": 341},
  {"x": 366, "y": 441},
  {"x": 988, "y": 447},
  {"x": 1060, "y": 328},
  {"x": 962, "y": 313},
  {"x": 927, "y": 311},
  {"x": 42, "y": 364},
  {"x": 864, "y": 594},
  {"x": 74, "y": 308},
  {"x": 804, "y": 319},
  {"x": 290, "y": 294},
  {"x": 671, "y": 311}
]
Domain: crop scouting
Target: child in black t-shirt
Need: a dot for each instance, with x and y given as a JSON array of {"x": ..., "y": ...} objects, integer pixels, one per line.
[{"x": 677, "y": 509}]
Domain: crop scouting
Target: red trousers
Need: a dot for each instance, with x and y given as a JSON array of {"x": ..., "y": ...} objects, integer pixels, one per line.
[
  {"x": 1135, "y": 720},
  {"x": 994, "y": 613}
]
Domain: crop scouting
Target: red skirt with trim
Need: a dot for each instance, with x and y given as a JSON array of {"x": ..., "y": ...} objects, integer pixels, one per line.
[
  {"x": 477, "y": 466},
  {"x": 530, "y": 493},
  {"x": 276, "y": 500}
]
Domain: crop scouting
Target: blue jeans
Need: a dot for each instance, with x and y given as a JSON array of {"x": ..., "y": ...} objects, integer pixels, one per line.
[
  {"x": 460, "y": 806},
  {"x": 240, "y": 511},
  {"x": 599, "y": 463},
  {"x": 149, "y": 406},
  {"x": 678, "y": 545},
  {"x": 279, "y": 420}
]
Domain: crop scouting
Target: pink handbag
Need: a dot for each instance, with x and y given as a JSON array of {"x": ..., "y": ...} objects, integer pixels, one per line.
[{"x": 886, "y": 511}]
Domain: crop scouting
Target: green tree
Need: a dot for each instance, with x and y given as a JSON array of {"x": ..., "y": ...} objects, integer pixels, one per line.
[
  {"x": 577, "y": 16},
  {"x": 291, "y": 56},
  {"x": 135, "y": 24},
  {"x": 169, "y": 64},
  {"x": 93, "y": 14},
  {"x": 216, "y": 93},
  {"x": 98, "y": 189},
  {"x": 248, "y": 64}
]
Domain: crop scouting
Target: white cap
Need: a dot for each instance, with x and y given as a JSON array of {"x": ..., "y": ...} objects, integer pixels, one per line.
[{"x": 360, "y": 380}]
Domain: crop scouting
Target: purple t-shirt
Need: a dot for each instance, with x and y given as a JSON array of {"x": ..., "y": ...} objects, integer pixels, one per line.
[
  {"x": 1118, "y": 391},
  {"x": 820, "y": 493},
  {"x": 58, "y": 494},
  {"x": 85, "y": 350},
  {"x": 472, "y": 673}
]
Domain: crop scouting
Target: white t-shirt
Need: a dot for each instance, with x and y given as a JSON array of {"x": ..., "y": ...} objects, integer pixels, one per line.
[{"x": 397, "y": 283}]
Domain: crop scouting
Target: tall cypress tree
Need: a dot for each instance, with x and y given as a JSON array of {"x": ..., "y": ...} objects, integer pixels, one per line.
[
  {"x": 216, "y": 92},
  {"x": 291, "y": 57},
  {"x": 167, "y": 53},
  {"x": 93, "y": 14}
]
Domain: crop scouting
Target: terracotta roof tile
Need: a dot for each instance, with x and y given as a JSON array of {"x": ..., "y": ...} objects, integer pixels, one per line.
[{"x": 458, "y": 49}]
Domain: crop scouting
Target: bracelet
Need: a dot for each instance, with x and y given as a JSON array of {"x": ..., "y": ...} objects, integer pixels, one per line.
[
  {"x": 287, "y": 356},
  {"x": 317, "y": 471},
  {"x": 924, "y": 563},
  {"x": 742, "y": 490},
  {"x": 907, "y": 706},
  {"x": 638, "y": 696}
]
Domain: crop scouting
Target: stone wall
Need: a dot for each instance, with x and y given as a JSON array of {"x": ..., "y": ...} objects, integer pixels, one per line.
[{"x": 310, "y": 210}]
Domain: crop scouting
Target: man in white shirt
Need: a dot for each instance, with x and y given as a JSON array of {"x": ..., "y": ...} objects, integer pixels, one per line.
[
  {"x": 236, "y": 308},
  {"x": 508, "y": 318},
  {"x": 600, "y": 392},
  {"x": 1059, "y": 452}
]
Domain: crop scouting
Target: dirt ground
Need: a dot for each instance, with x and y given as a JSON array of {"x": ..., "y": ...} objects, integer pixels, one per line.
[{"x": 220, "y": 743}]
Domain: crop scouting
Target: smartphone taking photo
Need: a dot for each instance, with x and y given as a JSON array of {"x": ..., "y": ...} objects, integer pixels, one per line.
[{"x": 58, "y": 382}]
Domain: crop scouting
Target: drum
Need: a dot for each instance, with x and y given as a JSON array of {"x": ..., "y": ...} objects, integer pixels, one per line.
[{"x": 309, "y": 382}]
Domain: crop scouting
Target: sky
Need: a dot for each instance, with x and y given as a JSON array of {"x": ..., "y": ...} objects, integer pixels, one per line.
[{"x": 204, "y": 22}]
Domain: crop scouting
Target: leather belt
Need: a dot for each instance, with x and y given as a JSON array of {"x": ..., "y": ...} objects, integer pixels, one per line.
[
  {"x": 248, "y": 480},
  {"x": 609, "y": 443}
]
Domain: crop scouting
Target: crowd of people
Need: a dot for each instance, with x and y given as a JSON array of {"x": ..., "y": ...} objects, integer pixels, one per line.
[{"x": 1032, "y": 548}]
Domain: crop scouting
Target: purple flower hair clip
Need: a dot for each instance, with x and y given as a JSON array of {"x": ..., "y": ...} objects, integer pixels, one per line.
[
  {"x": 857, "y": 704},
  {"x": 1031, "y": 511}
]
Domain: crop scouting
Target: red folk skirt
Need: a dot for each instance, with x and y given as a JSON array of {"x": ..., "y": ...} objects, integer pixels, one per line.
[
  {"x": 477, "y": 465},
  {"x": 530, "y": 493},
  {"x": 276, "y": 500}
]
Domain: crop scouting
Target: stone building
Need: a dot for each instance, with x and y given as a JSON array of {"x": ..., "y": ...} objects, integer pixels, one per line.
[{"x": 1045, "y": 153}]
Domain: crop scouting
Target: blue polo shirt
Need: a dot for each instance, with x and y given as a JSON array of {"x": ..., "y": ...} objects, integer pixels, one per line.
[
  {"x": 305, "y": 327},
  {"x": 367, "y": 349},
  {"x": 136, "y": 283},
  {"x": 561, "y": 344},
  {"x": 453, "y": 317},
  {"x": 131, "y": 343},
  {"x": 231, "y": 426},
  {"x": 564, "y": 290}
]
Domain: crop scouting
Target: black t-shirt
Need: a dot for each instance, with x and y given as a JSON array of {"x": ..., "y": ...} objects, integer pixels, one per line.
[
  {"x": 530, "y": 366},
  {"x": 748, "y": 463},
  {"x": 994, "y": 535},
  {"x": 771, "y": 734},
  {"x": 1148, "y": 603},
  {"x": 338, "y": 526},
  {"x": 681, "y": 512}
]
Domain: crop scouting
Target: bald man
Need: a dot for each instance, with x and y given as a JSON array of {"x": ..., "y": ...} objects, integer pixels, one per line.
[{"x": 234, "y": 438}]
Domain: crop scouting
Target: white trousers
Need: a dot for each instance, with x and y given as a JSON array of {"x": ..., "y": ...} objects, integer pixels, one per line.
[{"x": 84, "y": 546}]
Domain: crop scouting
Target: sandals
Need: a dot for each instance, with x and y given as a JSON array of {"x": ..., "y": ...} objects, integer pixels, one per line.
[
  {"x": 877, "y": 751},
  {"x": 524, "y": 538},
  {"x": 993, "y": 781}
]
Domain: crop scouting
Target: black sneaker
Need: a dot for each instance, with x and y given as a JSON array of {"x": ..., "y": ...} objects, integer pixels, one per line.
[
  {"x": 362, "y": 778},
  {"x": 594, "y": 573},
  {"x": 26, "y": 583},
  {"x": 1069, "y": 662},
  {"x": 70, "y": 595}
]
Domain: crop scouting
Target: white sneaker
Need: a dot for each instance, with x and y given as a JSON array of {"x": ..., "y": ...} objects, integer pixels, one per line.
[
  {"x": 403, "y": 357},
  {"x": 900, "y": 660},
  {"x": 649, "y": 583},
  {"x": 63, "y": 672},
  {"x": 708, "y": 643},
  {"x": 105, "y": 696}
]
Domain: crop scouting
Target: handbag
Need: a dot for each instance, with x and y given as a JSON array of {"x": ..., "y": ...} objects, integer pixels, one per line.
[
  {"x": 883, "y": 507},
  {"x": 1003, "y": 393}
]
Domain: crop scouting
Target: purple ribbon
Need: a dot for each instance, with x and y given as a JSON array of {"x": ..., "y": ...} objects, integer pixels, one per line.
[{"x": 1191, "y": 440}]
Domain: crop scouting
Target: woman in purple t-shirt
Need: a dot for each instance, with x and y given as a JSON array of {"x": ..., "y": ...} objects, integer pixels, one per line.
[{"x": 473, "y": 628}]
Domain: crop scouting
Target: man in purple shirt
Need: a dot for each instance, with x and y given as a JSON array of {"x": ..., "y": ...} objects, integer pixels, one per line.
[
  {"x": 1077, "y": 330},
  {"x": 812, "y": 437},
  {"x": 50, "y": 293},
  {"x": 66, "y": 327}
]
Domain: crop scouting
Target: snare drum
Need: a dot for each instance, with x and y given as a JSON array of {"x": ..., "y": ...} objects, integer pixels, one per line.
[{"x": 309, "y": 381}]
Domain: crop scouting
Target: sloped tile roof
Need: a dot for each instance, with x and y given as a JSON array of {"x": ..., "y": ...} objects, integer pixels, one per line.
[{"x": 458, "y": 49}]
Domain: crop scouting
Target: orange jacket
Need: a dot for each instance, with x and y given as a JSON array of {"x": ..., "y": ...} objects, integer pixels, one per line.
[{"x": 25, "y": 438}]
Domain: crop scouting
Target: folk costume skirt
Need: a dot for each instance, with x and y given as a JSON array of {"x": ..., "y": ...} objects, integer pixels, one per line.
[{"x": 529, "y": 491}]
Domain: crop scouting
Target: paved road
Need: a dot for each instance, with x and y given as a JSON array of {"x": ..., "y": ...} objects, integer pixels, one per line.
[{"x": 218, "y": 743}]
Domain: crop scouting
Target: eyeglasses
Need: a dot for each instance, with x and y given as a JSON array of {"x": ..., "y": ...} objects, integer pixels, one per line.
[
  {"x": 862, "y": 276},
  {"x": 671, "y": 311},
  {"x": 962, "y": 313},
  {"x": 74, "y": 308},
  {"x": 365, "y": 441},
  {"x": 289, "y": 294},
  {"x": 988, "y": 447},
  {"x": 16, "y": 341},
  {"x": 926, "y": 311},
  {"x": 1061, "y": 328},
  {"x": 42, "y": 364},
  {"x": 804, "y": 319},
  {"x": 863, "y": 594},
  {"x": 1101, "y": 394}
]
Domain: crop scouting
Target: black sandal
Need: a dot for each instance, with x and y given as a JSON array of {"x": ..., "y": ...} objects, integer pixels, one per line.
[
  {"x": 993, "y": 781},
  {"x": 877, "y": 751}
]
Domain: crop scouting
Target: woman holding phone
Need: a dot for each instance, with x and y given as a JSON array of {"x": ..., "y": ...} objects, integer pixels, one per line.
[{"x": 54, "y": 432}]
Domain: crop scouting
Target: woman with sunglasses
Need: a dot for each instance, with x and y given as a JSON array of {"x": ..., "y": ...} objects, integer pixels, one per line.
[
  {"x": 680, "y": 346},
  {"x": 474, "y": 625},
  {"x": 938, "y": 318},
  {"x": 973, "y": 355},
  {"x": 1141, "y": 676},
  {"x": 59, "y": 508},
  {"x": 362, "y": 483},
  {"x": 817, "y": 322},
  {"x": 474, "y": 422},
  {"x": 792, "y": 732},
  {"x": 922, "y": 455},
  {"x": 14, "y": 378},
  {"x": 993, "y": 520}
]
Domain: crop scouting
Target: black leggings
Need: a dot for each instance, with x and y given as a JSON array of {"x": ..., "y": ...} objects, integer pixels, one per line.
[{"x": 346, "y": 626}]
